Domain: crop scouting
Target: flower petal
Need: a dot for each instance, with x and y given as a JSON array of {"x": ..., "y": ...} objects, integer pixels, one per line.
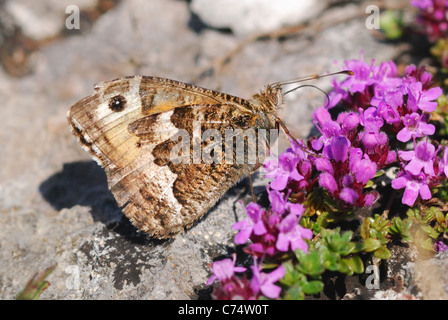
[
  {"x": 425, "y": 192},
  {"x": 328, "y": 182},
  {"x": 282, "y": 243},
  {"x": 404, "y": 135},
  {"x": 399, "y": 182},
  {"x": 349, "y": 195},
  {"x": 280, "y": 182},
  {"x": 410, "y": 193},
  {"x": 243, "y": 236},
  {"x": 271, "y": 290}
]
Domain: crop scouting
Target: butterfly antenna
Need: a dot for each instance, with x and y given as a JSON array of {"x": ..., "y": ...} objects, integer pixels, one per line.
[
  {"x": 312, "y": 77},
  {"x": 306, "y": 78},
  {"x": 312, "y": 86}
]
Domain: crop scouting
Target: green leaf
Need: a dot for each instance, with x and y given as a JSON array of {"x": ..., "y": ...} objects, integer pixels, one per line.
[
  {"x": 359, "y": 246},
  {"x": 344, "y": 267},
  {"x": 322, "y": 219},
  {"x": 294, "y": 293},
  {"x": 300, "y": 254},
  {"x": 364, "y": 230},
  {"x": 347, "y": 236},
  {"x": 397, "y": 226},
  {"x": 382, "y": 223},
  {"x": 414, "y": 214},
  {"x": 369, "y": 184},
  {"x": 339, "y": 243},
  {"x": 401, "y": 228},
  {"x": 431, "y": 214},
  {"x": 313, "y": 287},
  {"x": 310, "y": 263},
  {"x": 307, "y": 223},
  {"x": 427, "y": 244},
  {"x": 36, "y": 285},
  {"x": 371, "y": 244},
  {"x": 292, "y": 276},
  {"x": 349, "y": 248},
  {"x": 355, "y": 263},
  {"x": 316, "y": 228},
  {"x": 430, "y": 231},
  {"x": 379, "y": 173},
  {"x": 391, "y": 24},
  {"x": 440, "y": 217},
  {"x": 331, "y": 260},
  {"x": 382, "y": 253}
]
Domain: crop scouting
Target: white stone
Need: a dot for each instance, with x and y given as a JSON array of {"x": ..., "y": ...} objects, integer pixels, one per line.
[
  {"x": 43, "y": 20},
  {"x": 246, "y": 17}
]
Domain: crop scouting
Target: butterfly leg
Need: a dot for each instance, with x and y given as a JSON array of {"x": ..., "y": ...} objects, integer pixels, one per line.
[
  {"x": 301, "y": 146},
  {"x": 258, "y": 165},
  {"x": 280, "y": 122}
]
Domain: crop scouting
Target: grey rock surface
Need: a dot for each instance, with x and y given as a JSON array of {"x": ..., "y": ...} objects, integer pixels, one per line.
[
  {"x": 43, "y": 20},
  {"x": 246, "y": 17},
  {"x": 54, "y": 203}
]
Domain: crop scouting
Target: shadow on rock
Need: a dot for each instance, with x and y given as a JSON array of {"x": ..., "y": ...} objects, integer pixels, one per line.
[
  {"x": 84, "y": 183},
  {"x": 79, "y": 183}
]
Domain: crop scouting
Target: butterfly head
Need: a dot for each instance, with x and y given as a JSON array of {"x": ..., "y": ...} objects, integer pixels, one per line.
[{"x": 269, "y": 100}]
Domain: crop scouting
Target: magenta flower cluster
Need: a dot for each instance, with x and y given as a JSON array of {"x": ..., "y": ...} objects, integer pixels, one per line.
[
  {"x": 440, "y": 246},
  {"x": 273, "y": 231},
  {"x": 380, "y": 113},
  {"x": 432, "y": 18},
  {"x": 233, "y": 287}
]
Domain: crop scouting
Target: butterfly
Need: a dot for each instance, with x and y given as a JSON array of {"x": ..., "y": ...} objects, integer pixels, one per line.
[{"x": 132, "y": 126}]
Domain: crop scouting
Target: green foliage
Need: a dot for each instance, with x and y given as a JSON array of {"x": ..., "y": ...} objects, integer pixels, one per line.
[
  {"x": 443, "y": 190},
  {"x": 401, "y": 228},
  {"x": 311, "y": 264},
  {"x": 375, "y": 231},
  {"x": 439, "y": 51},
  {"x": 36, "y": 285},
  {"x": 298, "y": 283},
  {"x": 336, "y": 251},
  {"x": 392, "y": 24},
  {"x": 332, "y": 252},
  {"x": 427, "y": 225}
]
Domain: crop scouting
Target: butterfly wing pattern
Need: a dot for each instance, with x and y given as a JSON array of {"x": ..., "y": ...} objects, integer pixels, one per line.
[{"x": 131, "y": 126}]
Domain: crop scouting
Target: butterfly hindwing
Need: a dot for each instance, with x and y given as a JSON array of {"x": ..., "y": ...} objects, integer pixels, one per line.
[{"x": 193, "y": 183}]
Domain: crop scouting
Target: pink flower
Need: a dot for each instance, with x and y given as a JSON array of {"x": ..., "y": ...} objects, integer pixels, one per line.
[
  {"x": 264, "y": 282},
  {"x": 421, "y": 158},
  {"x": 414, "y": 127},
  {"x": 223, "y": 270},
  {"x": 280, "y": 204},
  {"x": 252, "y": 224},
  {"x": 420, "y": 99},
  {"x": 285, "y": 171},
  {"x": 414, "y": 185},
  {"x": 440, "y": 246},
  {"x": 292, "y": 234},
  {"x": 443, "y": 164}
]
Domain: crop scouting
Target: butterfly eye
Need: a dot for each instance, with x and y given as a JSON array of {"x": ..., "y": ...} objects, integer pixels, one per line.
[{"x": 117, "y": 103}]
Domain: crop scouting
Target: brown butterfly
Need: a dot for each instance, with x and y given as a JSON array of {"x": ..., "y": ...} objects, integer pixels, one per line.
[{"x": 131, "y": 126}]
